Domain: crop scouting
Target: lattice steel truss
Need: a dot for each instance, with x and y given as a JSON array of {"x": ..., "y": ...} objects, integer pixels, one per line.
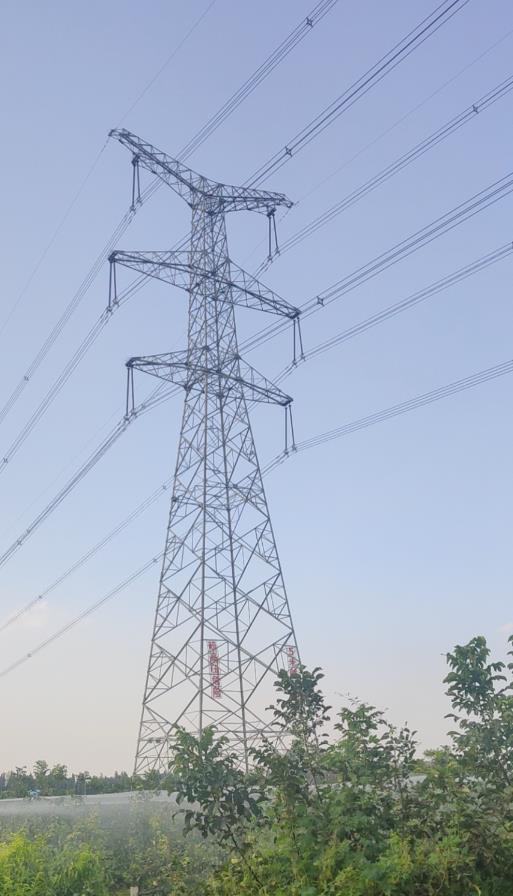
[{"x": 222, "y": 626}]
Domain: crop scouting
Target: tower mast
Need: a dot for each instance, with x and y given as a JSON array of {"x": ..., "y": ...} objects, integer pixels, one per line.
[{"x": 222, "y": 627}]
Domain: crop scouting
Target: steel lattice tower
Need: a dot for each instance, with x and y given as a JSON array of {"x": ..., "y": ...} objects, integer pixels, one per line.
[{"x": 222, "y": 626}]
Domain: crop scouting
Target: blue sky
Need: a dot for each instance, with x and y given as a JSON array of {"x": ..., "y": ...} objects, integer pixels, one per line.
[{"x": 395, "y": 541}]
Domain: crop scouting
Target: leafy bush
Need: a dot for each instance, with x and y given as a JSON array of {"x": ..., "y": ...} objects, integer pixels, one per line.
[
  {"x": 362, "y": 815},
  {"x": 358, "y": 814},
  {"x": 33, "y": 867}
]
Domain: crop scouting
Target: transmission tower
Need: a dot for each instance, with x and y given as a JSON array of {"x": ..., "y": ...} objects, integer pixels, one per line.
[{"x": 222, "y": 626}]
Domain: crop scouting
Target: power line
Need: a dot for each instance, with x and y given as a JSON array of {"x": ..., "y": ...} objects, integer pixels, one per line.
[
  {"x": 86, "y": 344},
  {"x": 397, "y": 253},
  {"x": 397, "y": 410},
  {"x": 433, "y": 289},
  {"x": 278, "y": 55},
  {"x": 411, "y": 111},
  {"x": 69, "y": 463},
  {"x": 159, "y": 395},
  {"x": 415, "y": 38},
  {"x": 442, "y": 225},
  {"x": 440, "y": 15},
  {"x": 442, "y": 133},
  {"x": 66, "y": 315},
  {"x": 78, "y": 564},
  {"x": 87, "y": 612},
  {"x": 55, "y": 234},
  {"x": 197, "y": 22}
]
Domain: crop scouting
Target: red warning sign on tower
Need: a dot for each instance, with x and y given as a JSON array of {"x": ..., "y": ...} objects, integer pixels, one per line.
[
  {"x": 215, "y": 675},
  {"x": 292, "y": 659}
]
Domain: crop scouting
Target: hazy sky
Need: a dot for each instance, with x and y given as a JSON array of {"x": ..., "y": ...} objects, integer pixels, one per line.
[{"x": 395, "y": 541}]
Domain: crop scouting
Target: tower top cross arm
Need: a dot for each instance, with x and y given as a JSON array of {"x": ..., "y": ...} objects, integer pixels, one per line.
[{"x": 194, "y": 188}]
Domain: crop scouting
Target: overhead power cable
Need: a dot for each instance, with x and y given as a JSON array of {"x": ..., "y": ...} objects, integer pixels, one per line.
[
  {"x": 87, "y": 612},
  {"x": 404, "y": 117},
  {"x": 54, "y": 390},
  {"x": 415, "y": 38},
  {"x": 397, "y": 410},
  {"x": 446, "y": 130},
  {"x": 469, "y": 382},
  {"x": 281, "y": 52},
  {"x": 66, "y": 315},
  {"x": 197, "y": 22},
  {"x": 157, "y": 397},
  {"x": 442, "y": 225},
  {"x": 425, "y": 29},
  {"x": 442, "y": 13},
  {"x": 92, "y": 552},
  {"x": 51, "y": 241},
  {"x": 278, "y": 55},
  {"x": 432, "y": 231},
  {"x": 458, "y": 276},
  {"x": 301, "y": 446}
]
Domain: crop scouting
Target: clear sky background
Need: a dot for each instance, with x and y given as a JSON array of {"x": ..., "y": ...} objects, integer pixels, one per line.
[{"x": 395, "y": 541}]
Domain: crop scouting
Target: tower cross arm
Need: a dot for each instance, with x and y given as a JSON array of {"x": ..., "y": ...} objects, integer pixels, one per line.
[
  {"x": 194, "y": 187},
  {"x": 179, "y": 369},
  {"x": 170, "y": 267},
  {"x": 176, "y": 268},
  {"x": 245, "y": 199}
]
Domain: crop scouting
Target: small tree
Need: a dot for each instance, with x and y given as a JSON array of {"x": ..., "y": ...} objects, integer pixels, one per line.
[
  {"x": 481, "y": 694},
  {"x": 207, "y": 776},
  {"x": 299, "y": 715}
]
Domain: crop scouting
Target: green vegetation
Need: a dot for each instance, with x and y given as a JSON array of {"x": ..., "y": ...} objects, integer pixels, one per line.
[
  {"x": 88, "y": 854},
  {"x": 356, "y": 814},
  {"x": 57, "y": 781}
]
